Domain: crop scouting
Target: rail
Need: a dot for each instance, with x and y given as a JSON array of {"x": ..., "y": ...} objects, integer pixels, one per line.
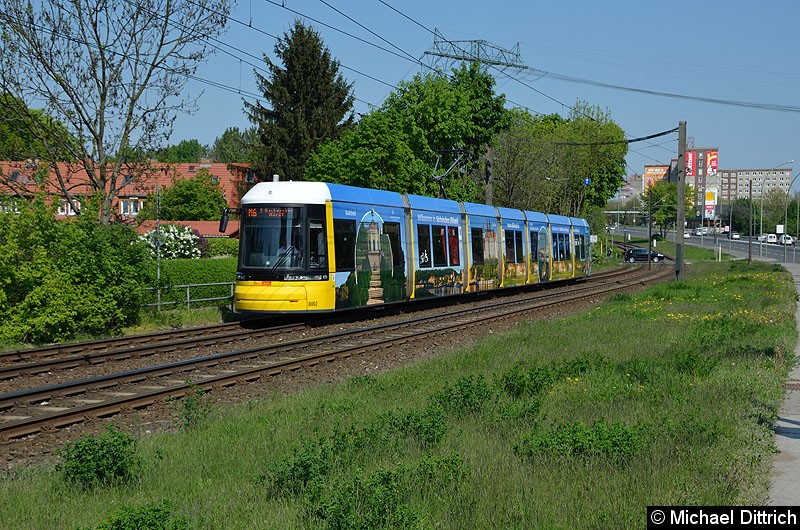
[{"x": 188, "y": 300}]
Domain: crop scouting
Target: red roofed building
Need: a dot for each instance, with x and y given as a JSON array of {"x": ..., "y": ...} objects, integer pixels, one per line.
[
  {"x": 205, "y": 228},
  {"x": 30, "y": 177}
]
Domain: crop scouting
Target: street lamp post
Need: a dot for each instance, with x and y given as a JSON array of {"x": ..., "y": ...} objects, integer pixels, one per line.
[
  {"x": 786, "y": 215},
  {"x": 750, "y": 225},
  {"x": 761, "y": 221}
]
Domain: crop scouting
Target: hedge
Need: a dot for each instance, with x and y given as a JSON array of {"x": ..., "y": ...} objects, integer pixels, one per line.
[{"x": 176, "y": 272}]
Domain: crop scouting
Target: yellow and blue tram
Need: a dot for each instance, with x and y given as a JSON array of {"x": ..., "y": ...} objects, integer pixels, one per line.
[{"x": 318, "y": 247}]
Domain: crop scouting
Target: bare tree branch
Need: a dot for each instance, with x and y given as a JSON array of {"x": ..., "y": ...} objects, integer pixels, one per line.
[{"x": 112, "y": 72}]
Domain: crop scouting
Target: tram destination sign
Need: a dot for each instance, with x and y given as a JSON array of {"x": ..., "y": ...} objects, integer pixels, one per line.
[{"x": 264, "y": 211}]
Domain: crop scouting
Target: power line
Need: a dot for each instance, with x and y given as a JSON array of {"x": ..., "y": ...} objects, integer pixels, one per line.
[
  {"x": 719, "y": 101},
  {"x": 626, "y": 141}
]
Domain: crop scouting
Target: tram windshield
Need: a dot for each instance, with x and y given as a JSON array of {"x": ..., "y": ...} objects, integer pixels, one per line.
[{"x": 282, "y": 238}]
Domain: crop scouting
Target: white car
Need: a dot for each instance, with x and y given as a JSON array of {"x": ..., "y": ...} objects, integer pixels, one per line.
[
  {"x": 762, "y": 238},
  {"x": 772, "y": 238},
  {"x": 786, "y": 240}
]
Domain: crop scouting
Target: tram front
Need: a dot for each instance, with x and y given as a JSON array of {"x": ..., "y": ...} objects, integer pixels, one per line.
[{"x": 283, "y": 262}]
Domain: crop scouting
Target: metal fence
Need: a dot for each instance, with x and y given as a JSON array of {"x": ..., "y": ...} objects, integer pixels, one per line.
[{"x": 193, "y": 293}]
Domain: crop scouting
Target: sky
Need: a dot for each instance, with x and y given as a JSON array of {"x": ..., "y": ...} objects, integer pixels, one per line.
[{"x": 616, "y": 53}]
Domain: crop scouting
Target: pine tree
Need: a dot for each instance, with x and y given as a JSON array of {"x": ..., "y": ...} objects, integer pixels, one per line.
[{"x": 310, "y": 103}]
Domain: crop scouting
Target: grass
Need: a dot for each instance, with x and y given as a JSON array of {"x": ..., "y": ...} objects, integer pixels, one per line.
[
  {"x": 570, "y": 423},
  {"x": 179, "y": 318}
]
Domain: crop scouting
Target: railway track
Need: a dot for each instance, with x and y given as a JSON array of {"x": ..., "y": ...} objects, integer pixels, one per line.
[
  {"x": 46, "y": 360},
  {"x": 32, "y": 410}
]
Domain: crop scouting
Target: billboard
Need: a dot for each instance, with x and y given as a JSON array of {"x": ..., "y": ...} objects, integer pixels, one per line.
[
  {"x": 653, "y": 174},
  {"x": 710, "y": 203},
  {"x": 690, "y": 163},
  {"x": 712, "y": 163}
]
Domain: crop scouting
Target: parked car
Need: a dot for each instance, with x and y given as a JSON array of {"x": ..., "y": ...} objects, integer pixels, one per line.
[
  {"x": 687, "y": 234},
  {"x": 734, "y": 235},
  {"x": 698, "y": 231},
  {"x": 762, "y": 238},
  {"x": 635, "y": 254},
  {"x": 785, "y": 239},
  {"x": 772, "y": 238}
]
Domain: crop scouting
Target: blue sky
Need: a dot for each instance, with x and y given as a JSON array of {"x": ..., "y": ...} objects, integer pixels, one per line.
[{"x": 733, "y": 51}]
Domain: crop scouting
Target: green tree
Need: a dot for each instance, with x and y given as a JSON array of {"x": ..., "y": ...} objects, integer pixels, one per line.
[
  {"x": 20, "y": 140},
  {"x": 441, "y": 113},
  {"x": 543, "y": 162},
  {"x": 397, "y": 146},
  {"x": 234, "y": 146},
  {"x": 774, "y": 205},
  {"x": 310, "y": 102},
  {"x": 185, "y": 151},
  {"x": 59, "y": 279},
  {"x": 588, "y": 146},
  {"x": 742, "y": 215},
  {"x": 112, "y": 72},
  {"x": 374, "y": 155},
  {"x": 198, "y": 198},
  {"x": 665, "y": 205},
  {"x": 522, "y": 172}
]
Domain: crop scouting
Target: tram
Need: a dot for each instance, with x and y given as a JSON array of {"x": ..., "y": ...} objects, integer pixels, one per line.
[{"x": 308, "y": 247}]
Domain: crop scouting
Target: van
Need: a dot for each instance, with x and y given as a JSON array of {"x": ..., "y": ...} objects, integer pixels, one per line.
[{"x": 772, "y": 238}]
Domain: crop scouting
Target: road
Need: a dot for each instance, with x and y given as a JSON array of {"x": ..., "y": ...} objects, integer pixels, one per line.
[{"x": 760, "y": 250}]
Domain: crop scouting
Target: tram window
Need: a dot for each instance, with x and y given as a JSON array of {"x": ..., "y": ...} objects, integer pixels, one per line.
[
  {"x": 567, "y": 248},
  {"x": 439, "y": 246},
  {"x": 424, "y": 242},
  {"x": 514, "y": 252},
  {"x": 518, "y": 246},
  {"x": 344, "y": 242},
  {"x": 534, "y": 245},
  {"x": 392, "y": 230},
  {"x": 317, "y": 245},
  {"x": 544, "y": 250},
  {"x": 510, "y": 247},
  {"x": 477, "y": 245},
  {"x": 452, "y": 244},
  {"x": 558, "y": 252}
]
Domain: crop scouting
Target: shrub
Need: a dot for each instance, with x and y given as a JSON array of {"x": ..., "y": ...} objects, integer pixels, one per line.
[
  {"x": 107, "y": 459},
  {"x": 194, "y": 408},
  {"x": 222, "y": 247},
  {"x": 59, "y": 279},
  {"x": 193, "y": 271},
  {"x": 372, "y": 502},
  {"x": 309, "y": 463},
  {"x": 202, "y": 243},
  {"x": 147, "y": 517},
  {"x": 428, "y": 427},
  {"x": 466, "y": 396},
  {"x": 616, "y": 442},
  {"x": 176, "y": 272},
  {"x": 174, "y": 242}
]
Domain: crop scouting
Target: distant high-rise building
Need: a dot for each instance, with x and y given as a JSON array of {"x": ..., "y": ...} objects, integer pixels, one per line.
[
  {"x": 735, "y": 183},
  {"x": 633, "y": 187}
]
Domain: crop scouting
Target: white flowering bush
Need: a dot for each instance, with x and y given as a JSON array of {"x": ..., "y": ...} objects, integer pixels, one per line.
[{"x": 176, "y": 242}]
